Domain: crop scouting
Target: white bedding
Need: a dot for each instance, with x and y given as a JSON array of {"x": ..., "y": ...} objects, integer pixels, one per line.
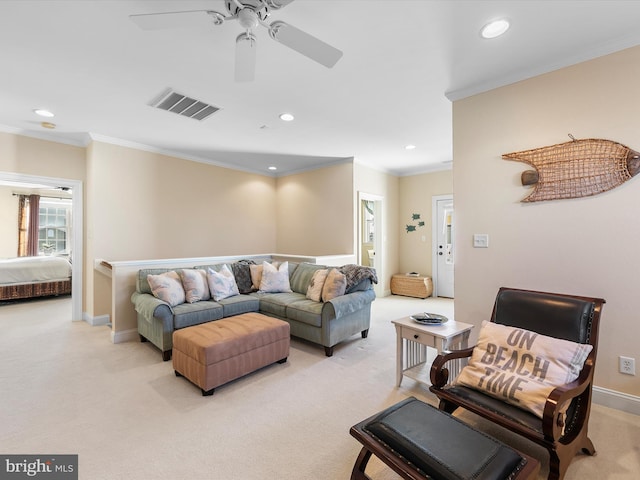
[{"x": 34, "y": 269}]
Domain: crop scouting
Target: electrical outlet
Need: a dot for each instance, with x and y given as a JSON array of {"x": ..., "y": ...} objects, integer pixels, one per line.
[{"x": 627, "y": 365}]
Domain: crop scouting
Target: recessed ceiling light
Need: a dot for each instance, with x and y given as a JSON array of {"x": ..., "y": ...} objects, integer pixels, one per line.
[
  {"x": 273, "y": 168},
  {"x": 43, "y": 113},
  {"x": 495, "y": 29},
  {"x": 286, "y": 117},
  {"x": 48, "y": 125},
  {"x": 409, "y": 147}
]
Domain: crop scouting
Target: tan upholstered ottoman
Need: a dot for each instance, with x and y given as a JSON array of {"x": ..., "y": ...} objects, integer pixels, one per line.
[{"x": 214, "y": 353}]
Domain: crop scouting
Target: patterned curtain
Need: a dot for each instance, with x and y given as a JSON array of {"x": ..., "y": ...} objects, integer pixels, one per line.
[
  {"x": 34, "y": 225},
  {"x": 23, "y": 224}
]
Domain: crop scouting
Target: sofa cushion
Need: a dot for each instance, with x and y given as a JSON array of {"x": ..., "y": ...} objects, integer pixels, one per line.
[
  {"x": 521, "y": 367},
  {"x": 167, "y": 287},
  {"x": 188, "y": 314},
  {"x": 275, "y": 280},
  {"x": 314, "y": 291},
  {"x": 239, "y": 304},
  {"x": 276, "y": 303},
  {"x": 195, "y": 284},
  {"x": 222, "y": 284},
  {"x": 334, "y": 286},
  {"x": 301, "y": 278},
  {"x": 305, "y": 311}
]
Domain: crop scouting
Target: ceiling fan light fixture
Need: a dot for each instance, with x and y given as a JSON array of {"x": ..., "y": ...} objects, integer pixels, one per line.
[
  {"x": 248, "y": 18},
  {"x": 495, "y": 28},
  {"x": 245, "y": 57},
  {"x": 287, "y": 117}
]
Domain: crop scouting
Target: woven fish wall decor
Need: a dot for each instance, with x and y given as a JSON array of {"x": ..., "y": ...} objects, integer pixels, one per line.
[{"x": 578, "y": 168}]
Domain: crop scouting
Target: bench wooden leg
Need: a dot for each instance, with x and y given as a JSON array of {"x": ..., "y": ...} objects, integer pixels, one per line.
[
  {"x": 328, "y": 351},
  {"x": 207, "y": 393},
  {"x": 361, "y": 463},
  {"x": 283, "y": 360}
]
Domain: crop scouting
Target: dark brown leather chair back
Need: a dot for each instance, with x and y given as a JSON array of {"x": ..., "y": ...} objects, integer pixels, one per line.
[{"x": 554, "y": 315}]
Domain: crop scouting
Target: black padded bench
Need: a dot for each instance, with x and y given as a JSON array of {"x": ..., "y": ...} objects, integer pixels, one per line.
[{"x": 419, "y": 442}]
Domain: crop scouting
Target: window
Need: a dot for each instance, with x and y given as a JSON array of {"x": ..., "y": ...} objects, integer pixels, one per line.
[{"x": 55, "y": 226}]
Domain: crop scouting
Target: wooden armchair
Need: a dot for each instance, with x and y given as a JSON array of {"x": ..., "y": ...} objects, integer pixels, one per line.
[{"x": 567, "y": 317}]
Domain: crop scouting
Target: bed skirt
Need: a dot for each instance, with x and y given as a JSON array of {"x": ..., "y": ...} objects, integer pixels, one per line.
[{"x": 32, "y": 290}]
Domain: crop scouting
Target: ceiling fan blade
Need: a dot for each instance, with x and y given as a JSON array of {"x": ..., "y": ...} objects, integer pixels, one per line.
[
  {"x": 188, "y": 19},
  {"x": 305, "y": 44},
  {"x": 245, "y": 58}
]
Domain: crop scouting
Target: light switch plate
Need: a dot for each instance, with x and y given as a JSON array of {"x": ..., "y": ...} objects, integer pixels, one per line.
[{"x": 480, "y": 240}]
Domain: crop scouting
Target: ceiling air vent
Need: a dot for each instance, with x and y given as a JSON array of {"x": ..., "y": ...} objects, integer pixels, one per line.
[{"x": 183, "y": 105}]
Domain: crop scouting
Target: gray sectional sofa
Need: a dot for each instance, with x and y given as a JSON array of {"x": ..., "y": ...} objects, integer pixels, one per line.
[{"x": 323, "y": 323}]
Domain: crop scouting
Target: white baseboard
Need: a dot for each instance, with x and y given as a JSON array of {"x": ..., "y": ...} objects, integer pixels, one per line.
[
  {"x": 95, "y": 321},
  {"x": 124, "y": 336},
  {"x": 618, "y": 400}
]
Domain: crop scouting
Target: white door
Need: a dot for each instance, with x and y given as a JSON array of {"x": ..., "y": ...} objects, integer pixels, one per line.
[{"x": 443, "y": 246}]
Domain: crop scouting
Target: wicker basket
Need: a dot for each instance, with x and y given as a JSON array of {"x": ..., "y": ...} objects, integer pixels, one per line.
[{"x": 411, "y": 286}]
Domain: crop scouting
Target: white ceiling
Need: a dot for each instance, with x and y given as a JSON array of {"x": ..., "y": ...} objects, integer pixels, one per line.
[{"x": 403, "y": 63}]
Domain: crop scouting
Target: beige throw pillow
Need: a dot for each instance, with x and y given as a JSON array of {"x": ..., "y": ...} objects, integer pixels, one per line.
[
  {"x": 334, "y": 285},
  {"x": 314, "y": 290},
  {"x": 167, "y": 287},
  {"x": 521, "y": 367},
  {"x": 195, "y": 285},
  {"x": 256, "y": 276}
]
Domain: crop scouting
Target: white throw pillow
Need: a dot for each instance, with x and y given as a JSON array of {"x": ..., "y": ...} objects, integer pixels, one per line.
[
  {"x": 167, "y": 287},
  {"x": 275, "y": 280},
  {"x": 222, "y": 284},
  {"x": 521, "y": 367},
  {"x": 195, "y": 285},
  {"x": 314, "y": 291}
]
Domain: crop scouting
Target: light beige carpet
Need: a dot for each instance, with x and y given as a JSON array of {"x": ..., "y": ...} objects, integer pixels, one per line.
[{"x": 65, "y": 388}]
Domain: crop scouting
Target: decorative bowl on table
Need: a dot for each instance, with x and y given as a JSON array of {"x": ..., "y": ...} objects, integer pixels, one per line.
[{"x": 425, "y": 318}]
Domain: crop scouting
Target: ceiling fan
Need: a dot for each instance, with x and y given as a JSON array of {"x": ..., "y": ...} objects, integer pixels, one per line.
[{"x": 250, "y": 14}]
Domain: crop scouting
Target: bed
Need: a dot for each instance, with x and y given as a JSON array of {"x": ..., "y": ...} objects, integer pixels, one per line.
[{"x": 29, "y": 277}]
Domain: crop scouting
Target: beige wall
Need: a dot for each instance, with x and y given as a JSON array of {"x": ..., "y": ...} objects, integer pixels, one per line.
[
  {"x": 416, "y": 194},
  {"x": 147, "y": 206},
  {"x": 30, "y": 156},
  {"x": 315, "y": 212},
  {"x": 586, "y": 246}
]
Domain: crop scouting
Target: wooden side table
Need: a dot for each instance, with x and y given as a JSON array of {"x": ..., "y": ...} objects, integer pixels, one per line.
[
  {"x": 411, "y": 286},
  {"x": 413, "y": 339}
]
